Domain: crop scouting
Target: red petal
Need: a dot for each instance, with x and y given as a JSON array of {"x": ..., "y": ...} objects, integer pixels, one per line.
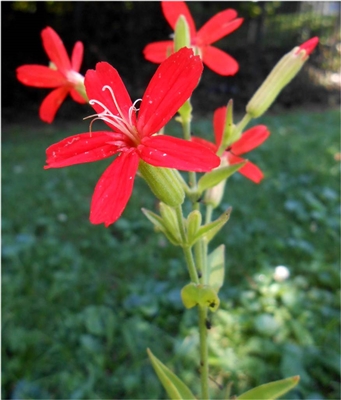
[
  {"x": 219, "y": 118},
  {"x": 171, "y": 152},
  {"x": 205, "y": 143},
  {"x": 249, "y": 170},
  {"x": 55, "y": 49},
  {"x": 77, "y": 56},
  {"x": 51, "y": 104},
  {"x": 172, "y": 84},
  {"x": 40, "y": 76},
  {"x": 251, "y": 139},
  {"x": 219, "y": 26},
  {"x": 172, "y": 11},
  {"x": 113, "y": 189},
  {"x": 77, "y": 97},
  {"x": 94, "y": 82},
  {"x": 219, "y": 61},
  {"x": 81, "y": 148},
  {"x": 252, "y": 172},
  {"x": 158, "y": 51}
]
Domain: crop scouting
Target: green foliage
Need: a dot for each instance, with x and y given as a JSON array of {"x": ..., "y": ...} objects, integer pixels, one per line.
[{"x": 81, "y": 303}]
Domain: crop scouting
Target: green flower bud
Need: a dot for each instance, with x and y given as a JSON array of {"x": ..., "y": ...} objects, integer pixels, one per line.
[{"x": 284, "y": 71}]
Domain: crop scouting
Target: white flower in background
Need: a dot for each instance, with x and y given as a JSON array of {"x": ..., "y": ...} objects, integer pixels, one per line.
[{"x": 281, "y": 273}]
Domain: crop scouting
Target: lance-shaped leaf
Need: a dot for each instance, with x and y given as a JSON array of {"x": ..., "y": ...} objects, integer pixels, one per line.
[
  {"x": 218, "y": 175},
  {"x": 160, "y": 226},
  {"x": 208, "y": 231},
  {"x": 216, "y": 268},
  {"x": 271, "y": 390},
  {"x": 173, "y": 385}
]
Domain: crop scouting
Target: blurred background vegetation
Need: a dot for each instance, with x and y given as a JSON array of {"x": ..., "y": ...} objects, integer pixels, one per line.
[{"x": 81, "y": 303}]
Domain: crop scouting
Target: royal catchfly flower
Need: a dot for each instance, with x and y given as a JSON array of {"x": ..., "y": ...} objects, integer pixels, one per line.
[
  {"x": 249, "y": 140},
  {"x": 63, "y": 74},
  {"x": 133, "y": 136},
  {"x": 216, "y": 28}
]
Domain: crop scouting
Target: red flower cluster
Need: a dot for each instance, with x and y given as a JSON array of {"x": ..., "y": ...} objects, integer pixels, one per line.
[
  {"x": 63, "y": 75},
  {"x": 133, "y": 137},
  {"x": 217, "y": 27},
  {"x": 251, "y": 139}
]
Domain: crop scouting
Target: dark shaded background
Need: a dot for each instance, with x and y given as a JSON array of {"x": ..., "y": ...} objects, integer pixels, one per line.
[{"x": 117, "y": 32}]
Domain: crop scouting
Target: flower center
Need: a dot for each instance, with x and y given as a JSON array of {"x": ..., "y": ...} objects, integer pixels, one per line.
[{"x": 121, "y": 122}]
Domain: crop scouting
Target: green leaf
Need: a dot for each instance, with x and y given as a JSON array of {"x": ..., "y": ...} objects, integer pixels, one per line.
[
  {"x": 271, "y": 390},
  {"x": 210, "y": 230},
  {"x": 189, "y": 295},
  {"x": 203, "y": 295},
  {"x": 174, "y": 386},
  {"x": 211, "y": 179},
  {"x": 216, "y": 268},
  {"x": 159, "y": 225}
]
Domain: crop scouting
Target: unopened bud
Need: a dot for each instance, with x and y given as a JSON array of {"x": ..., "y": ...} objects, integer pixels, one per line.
[
  {"x": 284, "y": 71},
  {"x": 181, "y": 35}
]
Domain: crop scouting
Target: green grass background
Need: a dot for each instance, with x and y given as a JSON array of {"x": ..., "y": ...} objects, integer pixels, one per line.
[{"x": 81, "y": 303}]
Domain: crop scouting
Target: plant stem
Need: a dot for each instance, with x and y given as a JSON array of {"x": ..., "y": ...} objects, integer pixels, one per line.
[
  {"x": 203, "y": 353},
  {"x": 190, "y": 264}
]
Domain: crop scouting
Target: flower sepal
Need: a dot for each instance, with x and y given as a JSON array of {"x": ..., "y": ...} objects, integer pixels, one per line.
[
  {"x": 200, "y": 295},
  {"x": 164, "y": 183}
]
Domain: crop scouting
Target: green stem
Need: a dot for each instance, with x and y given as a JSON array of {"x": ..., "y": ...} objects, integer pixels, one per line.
[
  {"x": 186, "y": 127},
  {"x": 203, "y": 353},
  {"x": 190, "y": 264},
  {"x": 242, "y": 124}
]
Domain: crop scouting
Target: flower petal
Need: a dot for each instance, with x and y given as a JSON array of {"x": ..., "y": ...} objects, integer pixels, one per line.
[
  {"x": 219, "y": 118},
  {"x": 251, "y": 139},
  {"x": 171, "y": 152},
  {"x": 172, "y": 11},
  {"x": 219, "y": 61},
  {"x": 55, "y": 49},
  {"x": 40, "y": 76},
  {"x": 114, "y": 189},
  {"x": 213, "y": 147},
  {"x": 158, "y": 51},
  {"x": 219, "y": 26},
  {"x": 82, "y": 148},
  {"x": 249, "y": 170},
  {"x": 104, "y": 75},
  {"x": 77, "y": 56},
  {"x": 77, "y": 97},
  {"x": 172, "y": 84},
  {"x": 51, "y": 104}
]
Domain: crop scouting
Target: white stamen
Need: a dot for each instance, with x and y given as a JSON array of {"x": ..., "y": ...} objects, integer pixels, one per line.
[{"x": 119, "y": 121}]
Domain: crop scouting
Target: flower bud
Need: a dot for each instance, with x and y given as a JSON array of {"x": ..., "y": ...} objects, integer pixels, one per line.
[
  {"x": 284, "y": 71},
  {"x": 164, "y": 183},
  {"x": 181, "y": 35}
]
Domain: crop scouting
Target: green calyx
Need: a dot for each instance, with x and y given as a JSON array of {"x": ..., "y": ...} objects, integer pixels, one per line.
[{"x": 164, "y": 183}]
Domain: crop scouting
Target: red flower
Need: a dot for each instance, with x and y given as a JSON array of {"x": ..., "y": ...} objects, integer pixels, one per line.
[
  {"x": 216, "y": 28},
  {"x": 133, "y": 136},
  {"x": 63, "y": 74},
  {"x": 249, "y": 140}
]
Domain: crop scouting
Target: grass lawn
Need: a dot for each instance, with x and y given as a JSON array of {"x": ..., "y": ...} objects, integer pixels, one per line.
[{"x": 81, "y": 303}]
